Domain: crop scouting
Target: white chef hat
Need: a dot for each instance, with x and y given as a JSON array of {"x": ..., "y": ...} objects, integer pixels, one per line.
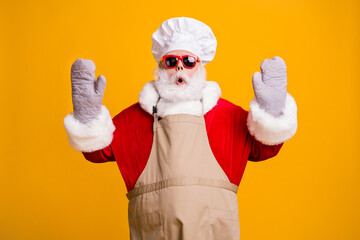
[{"x": 184, "y": 34}]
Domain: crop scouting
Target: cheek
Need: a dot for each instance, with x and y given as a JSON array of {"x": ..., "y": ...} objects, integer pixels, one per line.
[
  {"x": 170, "y": 72},
  {"x": 191, "y": 72}
]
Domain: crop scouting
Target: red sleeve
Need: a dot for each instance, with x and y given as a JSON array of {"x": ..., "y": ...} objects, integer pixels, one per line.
[
  {"x": 231, "y": 141},
  {"x": 260, "y": 152},
  {"x": 131, "y": 144},
  {"x": 100, "y": 156}
]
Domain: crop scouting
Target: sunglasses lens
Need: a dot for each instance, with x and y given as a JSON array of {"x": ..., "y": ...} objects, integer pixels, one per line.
[
  {"x": 171, "y": 61},
  {"x": 189, "y": 61}
]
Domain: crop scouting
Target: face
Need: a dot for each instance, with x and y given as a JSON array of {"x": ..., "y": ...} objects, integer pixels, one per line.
[{"x": 180, "y": 83}]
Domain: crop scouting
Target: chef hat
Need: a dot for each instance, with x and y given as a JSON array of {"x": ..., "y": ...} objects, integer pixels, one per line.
[{"x": 184, "y": 34}]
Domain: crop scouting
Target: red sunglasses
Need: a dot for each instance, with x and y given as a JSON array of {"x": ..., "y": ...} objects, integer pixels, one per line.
[{"x": 188, "y": 61}]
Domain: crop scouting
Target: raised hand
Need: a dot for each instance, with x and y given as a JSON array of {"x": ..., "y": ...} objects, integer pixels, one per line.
[
  {"x": 87, "y": 94},
  {"x": 270, "y": 85}
]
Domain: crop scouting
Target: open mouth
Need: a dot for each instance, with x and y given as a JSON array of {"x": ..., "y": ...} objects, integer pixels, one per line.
[{"x": 180, "y": 81}]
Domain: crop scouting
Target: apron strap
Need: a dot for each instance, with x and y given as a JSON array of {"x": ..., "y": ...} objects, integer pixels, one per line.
[
  {"x": 202, "y": 108},
  {"x": 184, "y": 181},
  {"x": 156, "y": 118}
]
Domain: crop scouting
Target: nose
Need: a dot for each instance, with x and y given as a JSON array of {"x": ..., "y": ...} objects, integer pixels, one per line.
[{"x": 180, "y": 65}]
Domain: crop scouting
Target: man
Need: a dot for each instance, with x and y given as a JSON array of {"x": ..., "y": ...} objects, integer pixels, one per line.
[{"x": 182, "y": 149}]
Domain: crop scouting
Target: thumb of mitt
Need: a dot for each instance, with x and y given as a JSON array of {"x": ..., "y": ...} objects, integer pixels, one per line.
[
  {"x": 100, "y": 85},
  {"x": 257, "y": 82}
]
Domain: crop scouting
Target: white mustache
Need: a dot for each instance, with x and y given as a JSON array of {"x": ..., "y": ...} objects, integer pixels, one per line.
[
  {"x": 181, "y": 75},
  {"x": 191, "y": 90}
]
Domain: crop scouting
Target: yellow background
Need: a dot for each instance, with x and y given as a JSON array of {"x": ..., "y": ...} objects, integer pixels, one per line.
[{"x": 311, "y": 190}]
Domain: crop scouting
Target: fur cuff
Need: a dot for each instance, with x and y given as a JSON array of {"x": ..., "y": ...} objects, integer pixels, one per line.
[
  {"x": 272, "y": 130},
  {"x": 92, "y": 136}
]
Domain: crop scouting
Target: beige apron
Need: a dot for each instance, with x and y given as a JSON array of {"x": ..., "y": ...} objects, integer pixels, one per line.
[{"x": 182, "y": 193}]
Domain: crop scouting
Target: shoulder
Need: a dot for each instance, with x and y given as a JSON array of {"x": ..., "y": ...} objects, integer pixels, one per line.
[
  {"x": 226, "y": 113},
  {"x": 133, "y": 113},
  {"x": 224, "y": 105}
]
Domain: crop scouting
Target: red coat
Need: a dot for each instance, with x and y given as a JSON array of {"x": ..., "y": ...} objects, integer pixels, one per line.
[{"x": 228, "y": 135}]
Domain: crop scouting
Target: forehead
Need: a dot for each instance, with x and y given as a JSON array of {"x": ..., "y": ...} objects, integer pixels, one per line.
[{"x": 179, "y": 52}]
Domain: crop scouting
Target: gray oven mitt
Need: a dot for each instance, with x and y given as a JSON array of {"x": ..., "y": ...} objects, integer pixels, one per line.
[
  {"x": 87, "y": 94},
  {"x": 270, "y": 85}
]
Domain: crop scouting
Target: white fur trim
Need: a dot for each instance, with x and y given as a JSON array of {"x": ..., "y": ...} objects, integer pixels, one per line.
[
  {"x": 92, "y": 136},
  {"x": 211, "y": 95},
  {"x": 149, "y": 97},
  {"x": 272, "y": 130}
]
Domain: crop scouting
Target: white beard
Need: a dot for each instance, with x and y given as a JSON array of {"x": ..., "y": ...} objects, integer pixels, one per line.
[{"x": 190, "y": 91}]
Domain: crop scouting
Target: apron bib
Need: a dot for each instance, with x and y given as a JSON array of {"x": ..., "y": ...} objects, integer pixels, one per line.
[{"x": 182, "y": 193}]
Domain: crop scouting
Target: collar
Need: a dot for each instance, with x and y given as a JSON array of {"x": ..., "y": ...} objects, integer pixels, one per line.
[{"x": 149, "y": 97}]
